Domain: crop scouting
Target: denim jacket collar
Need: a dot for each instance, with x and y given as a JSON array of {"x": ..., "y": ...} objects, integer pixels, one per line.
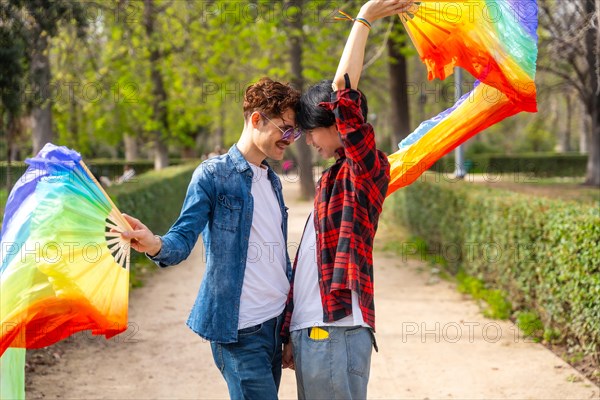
[
  {"x": 241, "y": 165},
  {"x": 239, "y": 162}
]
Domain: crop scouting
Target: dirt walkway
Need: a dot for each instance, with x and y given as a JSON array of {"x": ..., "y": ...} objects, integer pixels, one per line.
[{"x": 433, "y": 344}]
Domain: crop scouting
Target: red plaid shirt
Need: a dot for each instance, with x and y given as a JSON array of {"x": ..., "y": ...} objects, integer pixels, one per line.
[{"x": 348, "y": 203}]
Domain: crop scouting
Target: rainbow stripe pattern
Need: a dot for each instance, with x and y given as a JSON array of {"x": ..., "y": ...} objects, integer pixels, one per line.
[
  {"x": 495, "y": 41},
  {"x": 63, "y": 270}
]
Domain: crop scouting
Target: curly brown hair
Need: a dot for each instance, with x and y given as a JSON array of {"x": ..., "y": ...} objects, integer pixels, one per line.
[{"x": 270, "y": 97}]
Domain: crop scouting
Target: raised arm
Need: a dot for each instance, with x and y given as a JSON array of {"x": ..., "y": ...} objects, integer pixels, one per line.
[{"x": 353, "y": 56}]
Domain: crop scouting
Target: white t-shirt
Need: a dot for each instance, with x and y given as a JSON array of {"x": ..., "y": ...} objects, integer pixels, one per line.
[
  {"x": 265, "y": 287},
  {"x": 308, "y": 308}
]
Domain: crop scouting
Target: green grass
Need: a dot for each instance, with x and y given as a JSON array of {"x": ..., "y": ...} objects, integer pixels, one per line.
[
  {"x": 530, "y": 324},
  {"x": 575, "y": 180},
  {"x": 496, "y": 304},
  {"x": 559, "y": 188},
  {"x": 532, "y": 327}
]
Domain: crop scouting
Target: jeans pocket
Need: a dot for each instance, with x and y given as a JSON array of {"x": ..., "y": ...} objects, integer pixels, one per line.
[
  {"x": 251, "y": 330},
  {"x": 217, "y": 352},
  {"x": 358, "y": 348}
]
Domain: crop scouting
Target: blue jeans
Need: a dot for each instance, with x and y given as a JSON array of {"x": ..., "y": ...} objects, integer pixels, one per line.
[
  {"x": 334, "y": 368},
  {"x": 252, "y": 366}
]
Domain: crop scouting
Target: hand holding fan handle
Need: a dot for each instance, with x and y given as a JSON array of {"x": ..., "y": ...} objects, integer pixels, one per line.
[
  {"x": 115, "y": 213},
  {"x": 142, "y": 238},
  {"x": 131, "y": 229}
]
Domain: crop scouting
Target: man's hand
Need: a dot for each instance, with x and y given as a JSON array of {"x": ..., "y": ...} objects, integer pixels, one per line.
[
  {"x": 377, "y": 9},
  {"x": 142, "y": 239},
  {"x": 353, "y": 57},
  {"x": 288, "y": 356}
]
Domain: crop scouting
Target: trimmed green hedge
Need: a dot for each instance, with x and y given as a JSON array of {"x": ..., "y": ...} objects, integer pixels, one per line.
[
  {"x": 140, "y": 196},
  {"x": 538, "y": 165},
  {"x": 99, "y": 167},
  {"x": 114, "y": 168},
  {"x": 545, "y": 254},
  {"x": 155, "y": 197}
]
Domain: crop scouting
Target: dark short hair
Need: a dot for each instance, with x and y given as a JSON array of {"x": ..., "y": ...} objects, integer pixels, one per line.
[
  {"x": 270, "y": 97},
  {"x": 308, "y": 113}
]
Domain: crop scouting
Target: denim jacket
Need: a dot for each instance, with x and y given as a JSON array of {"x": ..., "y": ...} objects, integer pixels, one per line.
[{"x": 219, "y": 205}]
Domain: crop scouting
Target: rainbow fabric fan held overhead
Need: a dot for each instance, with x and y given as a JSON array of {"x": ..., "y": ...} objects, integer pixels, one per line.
[
  {"x": 65, "y": 267},
  {"x": 495, "y": 41}
]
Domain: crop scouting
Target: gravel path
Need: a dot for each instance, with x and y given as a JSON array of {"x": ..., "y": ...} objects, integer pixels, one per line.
[{"x": 433, "y": 343}]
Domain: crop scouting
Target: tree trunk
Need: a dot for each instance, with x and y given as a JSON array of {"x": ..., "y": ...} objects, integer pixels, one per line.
[
  {"x": 584, "y": 130},
  {"x": 305, "y": 169},
  {"x": 9, "y": 140},
  {"x": 161, "y": 155},
  {"x": 74, "y": 122},
  {"x": 592, "y": 44},
  {"x": 159, "y": 100},
  {"x": 188, "y": 152},
  {"x": 400, "y": 113},
  {"x": 41, "y": 111},
  {"x": 592, "y": 177},
  {"x": 13, "y": 131},
  {"x": 565, "y": 146},
  {"x": 131, "y": 148}
]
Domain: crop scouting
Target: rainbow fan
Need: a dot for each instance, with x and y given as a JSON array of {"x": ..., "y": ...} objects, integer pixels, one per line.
[
  {"x": 495, "y": 41},
  {"x": 65, "y": 267}
]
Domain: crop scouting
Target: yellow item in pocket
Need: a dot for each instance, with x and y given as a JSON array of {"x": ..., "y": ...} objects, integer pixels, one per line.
[{"x": 317, "y": 333}]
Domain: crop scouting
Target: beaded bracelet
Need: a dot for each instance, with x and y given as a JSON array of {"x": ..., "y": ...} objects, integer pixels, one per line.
[{"x": 349, "y": 18}]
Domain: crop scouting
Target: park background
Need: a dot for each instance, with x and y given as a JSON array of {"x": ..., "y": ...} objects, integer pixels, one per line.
[{"x": 159, "y": 85}]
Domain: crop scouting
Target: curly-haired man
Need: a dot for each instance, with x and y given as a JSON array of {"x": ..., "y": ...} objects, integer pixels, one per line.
[{"x": 231, "y": 201}]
